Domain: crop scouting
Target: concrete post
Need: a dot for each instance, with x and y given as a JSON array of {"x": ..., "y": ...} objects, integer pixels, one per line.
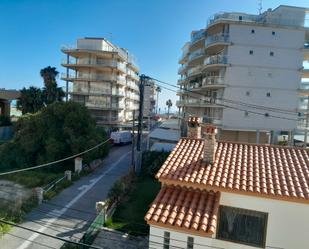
[
  {"x": 39, "y": 194},
  {"x": 68, "y": 175},
  {"x": 78, "y": 164}
]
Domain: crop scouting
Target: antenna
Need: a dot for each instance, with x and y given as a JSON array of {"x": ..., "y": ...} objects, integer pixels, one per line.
[
  {"x": 260, "y": 7},
  {"x": 110, "y": 36}
]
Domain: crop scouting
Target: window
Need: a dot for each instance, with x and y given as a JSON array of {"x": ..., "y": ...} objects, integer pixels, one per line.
[
  {"x": 269, "y": 75},
  {"x": 252, "y": 31},
  {"x": 240, "y": 18},
  {"x": 266, "y": 114},
  {"x": 268, "y": 94},
  {"x": 271, "y": 53},
  {"x": 190, "y": 242},
  {"x": 248, "y": 93},
  {"x": 246, "y": 114},
  {"x": 251, "y": 52},
  {"x": 166, "y": 242},
  {"x": 242, "y": 226},
  {"x": 273, "y": 32}
]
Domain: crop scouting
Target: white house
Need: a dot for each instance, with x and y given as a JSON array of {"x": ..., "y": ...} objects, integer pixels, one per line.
[{"x": 230, "y": 195}]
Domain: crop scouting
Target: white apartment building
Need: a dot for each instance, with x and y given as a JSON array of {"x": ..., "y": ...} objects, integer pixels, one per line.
[
  {"x": 243, "y": 71},
  {"x": 150, "y": 92},
  {"x": 104, "y": 79}
]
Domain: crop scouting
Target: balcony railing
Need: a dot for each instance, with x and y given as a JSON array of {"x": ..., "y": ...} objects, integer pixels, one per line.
[
  {"x": 194, "y": 70},
  {"x": 197, "y": 36},
  {"x": 216, "y": 38},
  {"x": 306, "y": 45},
  {"x": 199, "y": 102},
  {"x": 94, "y": 77},
  {"x": 216, "y": 59},
  {"x": 213, "y": 80},
  {"x": 260, "y": 19},
  {"x": 182, "y": 68},
  {"x": 212, "y": 120},
  {"x": 107, "y": 119},
  {"x": 196, "y": 54}
]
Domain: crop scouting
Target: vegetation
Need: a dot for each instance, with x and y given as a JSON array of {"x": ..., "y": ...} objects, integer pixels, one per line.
[
  {"x": 33, "y": 99},
  {"x": 129, "y": 214},
  {"x": 169, "y": 105},
  {"x": 57, "y": 131}
]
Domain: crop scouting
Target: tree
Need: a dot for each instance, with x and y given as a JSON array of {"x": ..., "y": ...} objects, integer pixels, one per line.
[
  {"x": 57, "y": 131},
  {"x": 30, "y": 100},
  {"x": 169, "y": 105},
  {"x": 158, "y": 91},
  {"x": 51, "y": 91}
]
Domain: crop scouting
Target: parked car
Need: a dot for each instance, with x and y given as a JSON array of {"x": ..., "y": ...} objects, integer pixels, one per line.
[{"x": 121, "y": 137}]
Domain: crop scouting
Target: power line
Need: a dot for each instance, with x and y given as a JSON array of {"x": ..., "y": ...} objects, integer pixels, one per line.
[
  {"x": 48, "y": 235},
  {"x": 235, "y": 108},
  {"x": 54, "y": 162},
  {"x": 34, "y": 242},
  {"x": 233, "y": 101}
]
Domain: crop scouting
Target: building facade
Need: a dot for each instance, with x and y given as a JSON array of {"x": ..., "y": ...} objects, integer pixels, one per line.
[
  {"x": 150, "y": 92},
  {"x": 104, "y": 78},
  {"x": 244, "y": 71},
  {"x": 231, "y": 195}
]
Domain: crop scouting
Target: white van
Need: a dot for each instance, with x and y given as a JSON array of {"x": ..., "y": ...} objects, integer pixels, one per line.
[{"x": 121, "y": 137}]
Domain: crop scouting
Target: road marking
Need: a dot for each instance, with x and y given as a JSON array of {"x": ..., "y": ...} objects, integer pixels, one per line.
[
  {"x": 82, "y": 187},
  {"x": 66, "y": 207}
]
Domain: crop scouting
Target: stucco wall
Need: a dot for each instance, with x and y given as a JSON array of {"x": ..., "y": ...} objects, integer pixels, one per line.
[
  {"x": 251, "y": 76},
  {"x": 287, "y": 226}
]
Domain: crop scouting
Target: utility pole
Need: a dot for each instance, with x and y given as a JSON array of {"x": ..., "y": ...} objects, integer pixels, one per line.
[
  {"x": 133, "y": 143},
  {"x": 67, "y": 81},
  {"x": 140, "y": 123}
]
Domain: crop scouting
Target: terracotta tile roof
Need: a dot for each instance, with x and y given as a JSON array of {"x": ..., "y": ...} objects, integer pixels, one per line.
[
  {"x": 184, "y": 209},
  {"x": 271, "y": 171}
]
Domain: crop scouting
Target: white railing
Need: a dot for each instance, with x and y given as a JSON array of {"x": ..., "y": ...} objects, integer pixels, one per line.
[
  {"x": 213, "y": 80},
  {"x": 197, "y": 36},
  {"x": 194, "y": 70}
]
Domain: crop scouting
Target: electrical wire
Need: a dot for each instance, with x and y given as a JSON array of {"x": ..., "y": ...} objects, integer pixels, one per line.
[
  {"x": 239, "y": 109},
  {"x": 54, "y": 162},
  {"x": 48, "y": 235},
  {"x": 231, "y": 101}
]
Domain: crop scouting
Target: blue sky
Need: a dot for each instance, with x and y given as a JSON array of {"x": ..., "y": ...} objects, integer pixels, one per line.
[{"x": 33, "y": 31}]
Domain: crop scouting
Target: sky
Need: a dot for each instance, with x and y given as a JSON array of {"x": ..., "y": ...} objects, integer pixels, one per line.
[{"x": 33, "y": 31}]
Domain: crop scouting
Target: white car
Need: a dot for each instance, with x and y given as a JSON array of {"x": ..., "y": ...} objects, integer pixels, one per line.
[{"x": 121, "y": 137}]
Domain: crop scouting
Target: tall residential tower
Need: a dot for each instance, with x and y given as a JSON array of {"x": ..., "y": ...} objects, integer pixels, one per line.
[
  {"x": 244, "y": 71},
  {"x": 105, "y": 80}
]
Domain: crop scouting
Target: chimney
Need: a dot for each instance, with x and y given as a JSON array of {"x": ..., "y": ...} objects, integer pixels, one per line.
[
  {"x": 194, "y": 127},
  {"x": 210, "y": 132}
]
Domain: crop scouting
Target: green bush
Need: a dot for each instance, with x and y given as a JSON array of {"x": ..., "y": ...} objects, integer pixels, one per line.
[{"x": 57, "y": 131}]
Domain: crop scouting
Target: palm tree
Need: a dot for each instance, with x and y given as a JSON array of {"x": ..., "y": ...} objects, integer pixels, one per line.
[
  {"x": 158, "y": 91},
  {"x": 169, "y": 105},
  {"x": 51, "y": 91},
  {"x": 30, "y": 100}
]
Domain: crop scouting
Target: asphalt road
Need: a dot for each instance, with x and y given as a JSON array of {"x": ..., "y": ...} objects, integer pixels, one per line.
[{"x": 61, "y": 216}]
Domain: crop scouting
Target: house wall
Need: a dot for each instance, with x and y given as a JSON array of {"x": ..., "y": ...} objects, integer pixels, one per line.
[
  {"x": 287, "y": 225},
  {"x": 251, "y": 76}
]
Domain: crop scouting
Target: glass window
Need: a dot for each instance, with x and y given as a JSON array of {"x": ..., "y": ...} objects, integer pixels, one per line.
[
  {"x": 242, "y": 226},
  {"x": 252, "y": 31},
  {"x": 268, "y": 94},
  {"x": 166, "y": 242},
  {"x": 190, "y": 243},
  {"x": 251, "y": 52},
  {"x": 273, "y": 32},
  {"x": 271, "y": 53}
]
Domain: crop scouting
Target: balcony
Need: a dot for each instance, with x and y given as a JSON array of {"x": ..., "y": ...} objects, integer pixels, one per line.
[
  {"x": 207, "y": 102},
  {"x": 99, "y": 105},
  {"x": 185, "y": 53},
  {"x": 182, "y": 68},
  {"x": 98, "y": 64},
  {"x": 215, "y": 43},
  {"x": 197, "y": 36},
  {"x": 304, "y": 89},
  {"x": 213, "y": 81},
  {"x": 255, "y": 19},
  {"x": 197, "y": 54},
  {"x": 195, "y": 70},
  {"x": 212, "y": 120},
  {"x": 215, "y": 61},
  {"x": 108, "y": 120},
  {"x": 94, "y": 77},
  {"x": 133, "y": 85}
]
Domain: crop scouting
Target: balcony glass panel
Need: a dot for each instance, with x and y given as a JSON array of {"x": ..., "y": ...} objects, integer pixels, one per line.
[
  {"x": 216, "y": 38},
  {"x": 216, "y": 59}
]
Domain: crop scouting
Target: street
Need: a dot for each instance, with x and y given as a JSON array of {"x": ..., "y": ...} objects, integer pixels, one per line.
[{"x": 69, "y": 214}]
